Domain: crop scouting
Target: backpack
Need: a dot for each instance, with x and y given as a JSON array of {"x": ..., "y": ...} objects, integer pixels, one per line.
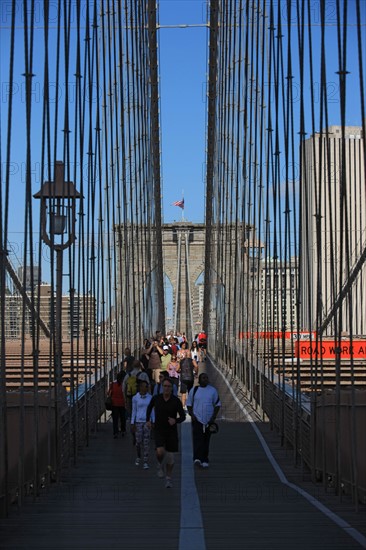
[
  {"x": 131, "y": 386},
  {"x": 186, "y": 369}
]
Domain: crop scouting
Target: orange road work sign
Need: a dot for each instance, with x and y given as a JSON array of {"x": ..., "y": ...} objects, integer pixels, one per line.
[{"x": 329, "y": 349}]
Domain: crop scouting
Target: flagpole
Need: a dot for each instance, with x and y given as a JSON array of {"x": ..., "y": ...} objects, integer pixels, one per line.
[{"x": 183, "y": 205}]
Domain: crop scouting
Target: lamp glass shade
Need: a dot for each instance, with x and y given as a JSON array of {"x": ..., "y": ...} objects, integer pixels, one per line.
[{"x": 58, "y": 224}]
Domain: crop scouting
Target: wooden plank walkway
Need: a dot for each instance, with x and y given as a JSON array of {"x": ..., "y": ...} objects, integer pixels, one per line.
[{"x": 107, "y": 502}]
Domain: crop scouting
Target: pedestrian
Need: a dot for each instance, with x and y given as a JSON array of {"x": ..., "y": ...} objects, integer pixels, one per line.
[
  {"x": 173, "y": 345},
  {"x": 188, "y": 367},
  {"x": 165, "y": 358},
  {"x": 202, "y": 342},
  {"x": 203, "y": 406},
  {"x": 168, "y": 414},
  {"x": 183, "y": 351},
  {"x": 128, "y": 360},
  {"x": 139, "y": 426},
  {"x": 144, "y": 359},
  {"x": 131, "y": 386},
  {"x": 195, "y": 351},
  {"x": 154, "y": 352},
  {"x": 158, "y": 388},
  {"x": 173, "y": 370},
  {"x": 118, "y": 406}
]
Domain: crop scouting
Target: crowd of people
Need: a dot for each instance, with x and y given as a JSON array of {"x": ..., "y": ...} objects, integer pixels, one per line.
[{"x": 155, "y": 392}]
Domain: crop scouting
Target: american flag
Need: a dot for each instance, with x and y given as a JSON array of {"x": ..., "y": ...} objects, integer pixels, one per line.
[{"x": 179, "y": 203}]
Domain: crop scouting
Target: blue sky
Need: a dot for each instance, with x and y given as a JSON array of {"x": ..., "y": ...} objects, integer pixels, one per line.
[
  {"x": 183, "y": 63},
  {"x": 183, "y": 72}
]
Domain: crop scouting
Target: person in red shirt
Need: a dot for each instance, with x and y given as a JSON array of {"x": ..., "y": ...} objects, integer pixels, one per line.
[
  {"x": 173, "y": 345},
  {"x": 202, "y": 341},
  {"x": 118, "y": 406}
]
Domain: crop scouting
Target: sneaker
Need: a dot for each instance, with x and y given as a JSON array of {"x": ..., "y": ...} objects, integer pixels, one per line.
[
  {"x": 205, "y": 464},
  {"x": 137, "y": 462},
  {"x": 146, "y": 466},
  {"x": 168, "y": 483},
  {"x": 160, "y": 471},
  {"x": 197, "y": 462}
]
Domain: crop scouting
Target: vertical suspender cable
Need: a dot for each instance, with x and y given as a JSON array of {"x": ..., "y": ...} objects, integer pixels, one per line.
[
  {"x": 4, "y": 222},
  {"x": 177, "y": 303},
  {"x": 189, "y": 297}
]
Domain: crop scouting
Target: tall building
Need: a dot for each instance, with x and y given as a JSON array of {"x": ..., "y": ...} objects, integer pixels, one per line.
[
  {"x": 76, "y": 315},
  {"x": 333, "y": 231},
  {"x": 277, "y": 303},
  {"x": 31, "y": 276}
]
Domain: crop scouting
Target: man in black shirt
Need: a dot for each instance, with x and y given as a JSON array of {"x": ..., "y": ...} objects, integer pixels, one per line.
[
  {"x": 128, "y": 360},
  {"x": 167, "y": 407}
]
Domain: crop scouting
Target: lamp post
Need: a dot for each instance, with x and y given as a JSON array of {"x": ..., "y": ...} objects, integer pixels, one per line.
[{"x": 58, "y": 218}]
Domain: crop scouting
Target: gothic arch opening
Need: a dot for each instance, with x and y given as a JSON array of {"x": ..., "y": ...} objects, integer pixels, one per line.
[
  {"x": 169, "y": 303},
  {"x": 198, "y": 302}
]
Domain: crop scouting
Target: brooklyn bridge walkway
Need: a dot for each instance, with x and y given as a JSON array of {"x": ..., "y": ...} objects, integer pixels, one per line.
[{"x": 240, "y": 502}]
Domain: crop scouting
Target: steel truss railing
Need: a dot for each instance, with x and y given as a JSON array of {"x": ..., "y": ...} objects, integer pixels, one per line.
[
  {"x": 286, "y": 156},
  {"x": 83, "y": 93},
  {"x": 299, "y": 428}
]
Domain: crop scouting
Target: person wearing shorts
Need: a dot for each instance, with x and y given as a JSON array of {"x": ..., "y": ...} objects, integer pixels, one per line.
[
  {"x": 188, "y": 368},
  {"x": 168, "y": 414}
]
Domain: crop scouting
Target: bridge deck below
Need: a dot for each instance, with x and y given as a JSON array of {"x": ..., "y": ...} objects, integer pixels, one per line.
[{"x": 107, "y": 502}]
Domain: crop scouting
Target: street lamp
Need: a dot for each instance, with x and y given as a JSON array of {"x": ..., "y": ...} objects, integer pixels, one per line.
[{"x": 58, "y": 197}]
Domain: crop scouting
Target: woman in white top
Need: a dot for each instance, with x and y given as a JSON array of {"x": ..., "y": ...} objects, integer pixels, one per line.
[
  {"x": 195, "y": 351},
  {"x": 140, "y": 402}
]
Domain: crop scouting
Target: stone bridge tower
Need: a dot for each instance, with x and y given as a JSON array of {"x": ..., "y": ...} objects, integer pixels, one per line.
[{"x": 183, "y": 262}]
